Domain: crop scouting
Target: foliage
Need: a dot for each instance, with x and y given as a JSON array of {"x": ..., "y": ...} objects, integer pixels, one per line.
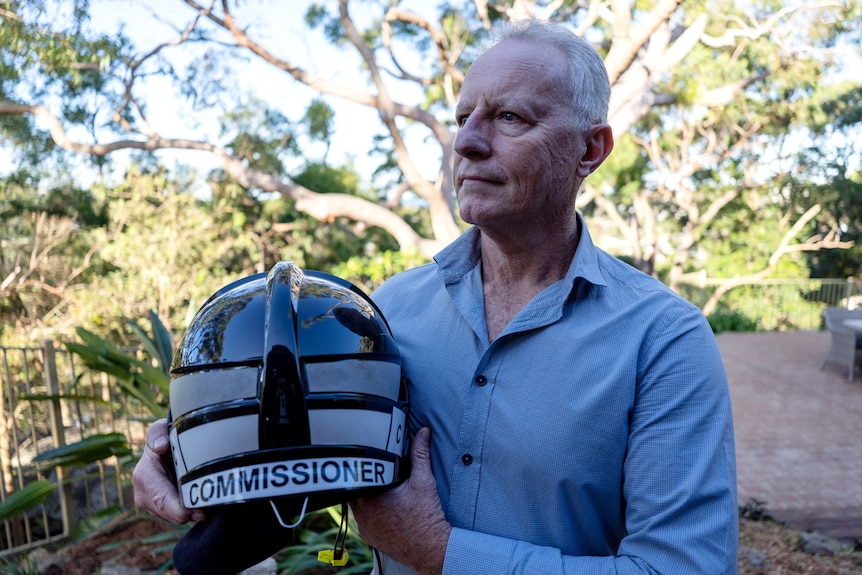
[
  {"x": 156, "y": 228},
  {"x": 372, "y": 270},
  {"x": 88, "y": 450},
  {"x": 96, "y": 521},
  {"x": 319, "y": 532},
  {"x": 18, "y": 566},
  {"x": 145, "y": 380},
  {"x": 710, "y": 105},
  {"x": 827, "y": 173},
  {"x": 44, "y": 250},
  {"x": 723, "y": 319},
  {"x": 34, "y": 493},
  {"x": 116, "y": 532},
  {"x": 71, "y": 62},
  {"x": 139, "y": 378}
]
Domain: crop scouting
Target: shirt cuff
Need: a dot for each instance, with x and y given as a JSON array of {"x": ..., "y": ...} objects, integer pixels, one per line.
[{"x": 474, "y": 553}]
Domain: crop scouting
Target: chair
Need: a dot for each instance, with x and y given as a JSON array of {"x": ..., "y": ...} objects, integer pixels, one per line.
[{"x": 846, "y": 347}]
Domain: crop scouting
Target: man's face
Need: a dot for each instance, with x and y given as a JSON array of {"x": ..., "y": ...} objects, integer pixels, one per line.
[{"x": 517, "y": 145}]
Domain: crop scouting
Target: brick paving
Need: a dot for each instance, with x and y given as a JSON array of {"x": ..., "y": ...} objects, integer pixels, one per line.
[{"x": 798, "y": 430}]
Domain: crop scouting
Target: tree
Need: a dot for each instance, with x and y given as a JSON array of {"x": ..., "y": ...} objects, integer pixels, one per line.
[
  {"x": 44, "y": 250},
  {"x": 705, "y": 89},
  {"x": 827, "y": 174},
  {"x": 711, "y": 150}
]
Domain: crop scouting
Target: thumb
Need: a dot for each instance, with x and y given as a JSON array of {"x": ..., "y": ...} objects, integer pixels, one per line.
[
  {"x": 420, "y": 459},
  {"x": 157, "y": 437}
]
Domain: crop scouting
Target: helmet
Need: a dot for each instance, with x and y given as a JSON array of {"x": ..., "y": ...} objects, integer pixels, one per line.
[{"x": 287, "y": 386}]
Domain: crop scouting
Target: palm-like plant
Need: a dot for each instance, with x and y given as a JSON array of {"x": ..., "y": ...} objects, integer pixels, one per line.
[{"x": 145, "y": 379}]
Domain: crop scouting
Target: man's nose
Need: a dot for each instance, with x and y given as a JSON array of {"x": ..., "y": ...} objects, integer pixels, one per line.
[{"x": 472, "y": 139}]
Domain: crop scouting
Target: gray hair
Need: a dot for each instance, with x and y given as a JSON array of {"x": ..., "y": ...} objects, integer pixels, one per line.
[{"x": 588, "y": 77}]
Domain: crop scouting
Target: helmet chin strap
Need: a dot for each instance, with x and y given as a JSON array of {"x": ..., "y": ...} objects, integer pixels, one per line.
[
  {"x": 281, "y": 522},
  {"x": 338, "y": 555}
]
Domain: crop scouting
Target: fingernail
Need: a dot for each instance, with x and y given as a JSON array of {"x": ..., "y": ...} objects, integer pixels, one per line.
[
  {"x": 160, "y": 442},
  {"x": 198, "y": 516}
]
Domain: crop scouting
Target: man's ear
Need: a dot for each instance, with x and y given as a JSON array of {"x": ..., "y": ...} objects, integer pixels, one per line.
[{"x": 599, "y": 140}]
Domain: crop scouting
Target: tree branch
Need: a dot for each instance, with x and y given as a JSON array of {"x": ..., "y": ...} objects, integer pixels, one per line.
[
  {"x": 444, "y": 55},
  {"x": 317, "y": 205},
  {"x": 816, "y": 243},
  {"x": 441, "y": 205}
]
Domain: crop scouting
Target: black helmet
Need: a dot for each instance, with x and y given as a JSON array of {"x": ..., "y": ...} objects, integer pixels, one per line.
[{"x": 287, "y": 386}]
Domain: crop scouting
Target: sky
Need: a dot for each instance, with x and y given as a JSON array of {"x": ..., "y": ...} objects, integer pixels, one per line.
[{"x": 280, "y": 26}]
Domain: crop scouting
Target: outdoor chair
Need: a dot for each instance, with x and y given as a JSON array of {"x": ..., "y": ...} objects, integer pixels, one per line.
[{"x": 846, "y": 346}]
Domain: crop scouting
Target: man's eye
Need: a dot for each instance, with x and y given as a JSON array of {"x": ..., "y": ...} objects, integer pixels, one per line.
[
  {"x": 509, "y": 116},
  {"x": 461, "y": 120}
]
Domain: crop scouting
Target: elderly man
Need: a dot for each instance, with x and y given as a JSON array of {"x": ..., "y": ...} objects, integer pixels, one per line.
[{"x": 574, "y": 412}]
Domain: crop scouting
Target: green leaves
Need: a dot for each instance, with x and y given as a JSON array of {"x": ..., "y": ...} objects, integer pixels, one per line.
[
  {"x": 145, "y": 380},
  {"x": 318, "y": 533},
  {"x": 29, "y": 496},
  {"x": 160, "y": 345},
  {"x": 89, "y": 450}
]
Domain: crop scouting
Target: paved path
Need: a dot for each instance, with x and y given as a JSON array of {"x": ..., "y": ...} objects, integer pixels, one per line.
[{"x": 798, "y": 430}]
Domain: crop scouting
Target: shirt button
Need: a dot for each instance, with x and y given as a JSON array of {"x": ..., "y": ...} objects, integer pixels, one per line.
[
  {"x": 466, "y": 459},
  {"x": 481, "y": 380}
]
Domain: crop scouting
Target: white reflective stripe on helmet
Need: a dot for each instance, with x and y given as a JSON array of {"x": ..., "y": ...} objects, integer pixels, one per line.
[
  {"x": 397, "y": 432},
  {"x": 220, "y": 438},
  {"x": 283, "y": 478},
  {"x": 381, "y": 378},
  {"x": 354, "y": 427},
  {"x": 205, "y": 388}
]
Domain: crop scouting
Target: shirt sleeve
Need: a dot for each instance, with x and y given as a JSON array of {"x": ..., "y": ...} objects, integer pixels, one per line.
[{"x": 680, "y": 474}]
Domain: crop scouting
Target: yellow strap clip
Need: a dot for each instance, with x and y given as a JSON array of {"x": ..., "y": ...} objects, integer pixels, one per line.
[{"x": 328, "y": 556}]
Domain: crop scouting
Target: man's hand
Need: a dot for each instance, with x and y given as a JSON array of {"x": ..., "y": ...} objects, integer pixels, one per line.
[
  {"x": 407, "y": 523},
  {"x": 155, "y": 489}
]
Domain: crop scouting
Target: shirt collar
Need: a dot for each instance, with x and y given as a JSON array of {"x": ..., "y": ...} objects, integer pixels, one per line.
[{"x": 462, "y": 255}]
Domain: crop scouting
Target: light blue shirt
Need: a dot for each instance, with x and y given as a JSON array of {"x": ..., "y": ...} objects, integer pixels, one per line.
[{"x": 594, "y": 435}]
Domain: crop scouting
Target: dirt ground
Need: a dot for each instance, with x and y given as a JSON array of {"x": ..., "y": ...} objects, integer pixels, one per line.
[
  {"x": 138, "y": 542},
  {"x": 766, "y": 548},
  {"x": 121, "y": 545},
  {"x": 782, "y": 548}
]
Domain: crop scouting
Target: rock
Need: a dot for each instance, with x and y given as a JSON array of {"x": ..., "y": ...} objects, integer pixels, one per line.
[
  {"x": 815, "y": 543},
  {"x": 754, "y": 557},
  {"x": 40, "y": 559}
]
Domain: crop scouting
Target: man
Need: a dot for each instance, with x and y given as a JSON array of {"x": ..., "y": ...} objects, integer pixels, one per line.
[{"x": 574, "y": 413}]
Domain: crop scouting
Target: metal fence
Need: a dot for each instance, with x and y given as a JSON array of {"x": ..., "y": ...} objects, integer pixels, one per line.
[
  {"x": 770, "y": 305},
  {"x": 48, "y": 401}
]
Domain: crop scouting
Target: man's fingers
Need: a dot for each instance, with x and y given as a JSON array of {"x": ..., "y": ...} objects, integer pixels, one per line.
[
  {"x": 420, "y": 452},
  {"x": 420, "y": 459},
  {"x": 157, "y": 436},
  {"x": 155, "y": 489}
]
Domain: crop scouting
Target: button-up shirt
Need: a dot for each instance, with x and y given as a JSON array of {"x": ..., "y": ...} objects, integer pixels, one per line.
[{"x": 594, "y": 435}]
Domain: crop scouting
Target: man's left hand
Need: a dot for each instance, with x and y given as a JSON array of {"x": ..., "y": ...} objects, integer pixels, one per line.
[{"x": 407, "y": 523}]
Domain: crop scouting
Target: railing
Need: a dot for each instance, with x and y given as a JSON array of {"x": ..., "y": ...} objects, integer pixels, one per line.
[
  {"x": 776, "y": 304},
  {"x": 49, "y": 401}
]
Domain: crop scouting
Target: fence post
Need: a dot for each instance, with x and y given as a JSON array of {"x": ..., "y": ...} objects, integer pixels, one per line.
[{"x": 55, "y": 416}]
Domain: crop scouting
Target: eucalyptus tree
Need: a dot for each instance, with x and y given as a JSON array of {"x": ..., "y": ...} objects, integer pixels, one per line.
[
  {"x": 71, "y": 257},
  {"x": 703, "y": 89}
]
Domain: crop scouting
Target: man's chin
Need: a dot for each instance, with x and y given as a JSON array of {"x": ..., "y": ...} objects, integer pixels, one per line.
[{"x": 477, "y": 211}]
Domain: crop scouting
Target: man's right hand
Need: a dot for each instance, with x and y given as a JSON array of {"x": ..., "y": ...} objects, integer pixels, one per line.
[{"x": 155, "y": 489}]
